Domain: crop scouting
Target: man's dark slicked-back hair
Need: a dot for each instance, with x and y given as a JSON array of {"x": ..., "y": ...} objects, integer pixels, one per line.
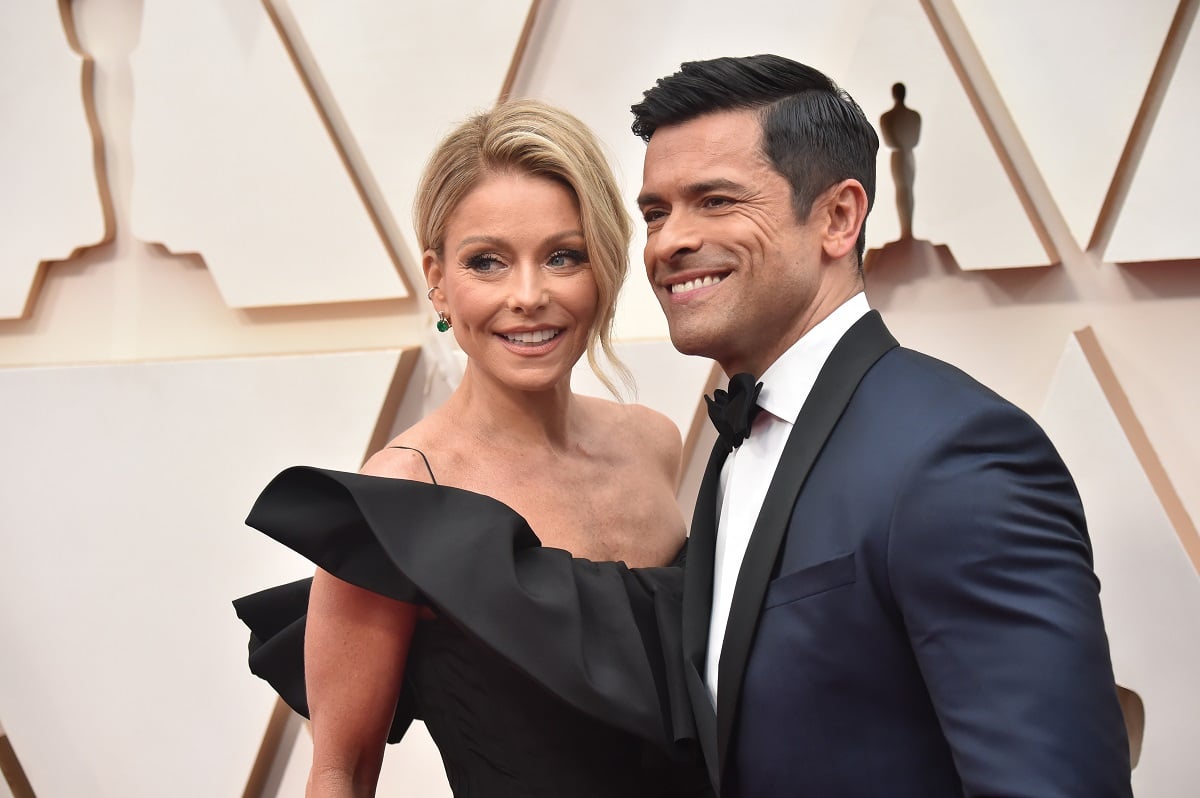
[{"x": 814, "y": 134}]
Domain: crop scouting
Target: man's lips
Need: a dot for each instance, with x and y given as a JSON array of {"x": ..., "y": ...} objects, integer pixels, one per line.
[{"x": 694, "y": 283}]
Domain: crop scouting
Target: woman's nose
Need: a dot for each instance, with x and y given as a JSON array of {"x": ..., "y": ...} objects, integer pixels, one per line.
[{"x": 529, "y": 289}]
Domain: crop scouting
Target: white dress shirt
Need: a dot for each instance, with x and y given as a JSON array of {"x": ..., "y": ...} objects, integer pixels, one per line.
[{"x": 749, "y": 468}]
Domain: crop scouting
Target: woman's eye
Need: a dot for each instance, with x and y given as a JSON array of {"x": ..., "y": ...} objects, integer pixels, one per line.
[
  {"x": 567, "y": 258},
  {"x": 484, "y": 262}
]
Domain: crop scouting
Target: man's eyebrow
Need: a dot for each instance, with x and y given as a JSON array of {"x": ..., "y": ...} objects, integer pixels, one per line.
[
  {"x": 709, "y": 186},
  {"x": 695, "y": 190},
  {"x": 648, "y": 199}
]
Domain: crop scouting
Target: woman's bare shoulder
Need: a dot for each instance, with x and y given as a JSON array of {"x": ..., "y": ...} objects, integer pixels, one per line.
[
  {"x": 640, "y": 428},
  {"x": 407, "y": 456},
  {"x": 627, "y": 414},
  {"x": 396, "y": 462}
]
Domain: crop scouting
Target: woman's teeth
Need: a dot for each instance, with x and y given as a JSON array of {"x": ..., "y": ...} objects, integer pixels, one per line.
[{"x": 534, "y": 337}]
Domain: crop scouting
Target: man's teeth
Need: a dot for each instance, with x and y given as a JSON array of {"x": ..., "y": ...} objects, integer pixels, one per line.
[
  {"x": 692, "y": 285},
  {"x": 534, "y": 337}
]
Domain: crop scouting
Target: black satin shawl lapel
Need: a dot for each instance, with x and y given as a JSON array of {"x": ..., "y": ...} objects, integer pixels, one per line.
[
  {"x": 862, "y": 345},
  {"x": 698, "y": 571},
  {"x": 697, "y": 601}
]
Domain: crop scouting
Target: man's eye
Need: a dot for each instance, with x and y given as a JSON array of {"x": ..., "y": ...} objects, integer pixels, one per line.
[
  {"x": 653, "y": 215},
  {"x": 716, "y": 202}
]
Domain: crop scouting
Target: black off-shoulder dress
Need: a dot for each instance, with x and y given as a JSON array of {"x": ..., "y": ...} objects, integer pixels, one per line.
[{"x": 540, "y": 674}]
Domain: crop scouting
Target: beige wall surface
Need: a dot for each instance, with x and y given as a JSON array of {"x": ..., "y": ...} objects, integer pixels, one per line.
[
  {"x": 1020, "y": 163},
  {"x": 1151, "y": 594}
]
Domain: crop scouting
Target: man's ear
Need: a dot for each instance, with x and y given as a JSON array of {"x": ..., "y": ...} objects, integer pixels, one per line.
[{"x": 845, "y": 209}]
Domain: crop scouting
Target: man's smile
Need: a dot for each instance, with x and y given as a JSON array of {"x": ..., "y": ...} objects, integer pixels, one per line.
[{"x": 698, "y": 282}]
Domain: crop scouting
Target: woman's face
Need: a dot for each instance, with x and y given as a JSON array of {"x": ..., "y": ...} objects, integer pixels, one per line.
[{"x": 516, "y": 279}]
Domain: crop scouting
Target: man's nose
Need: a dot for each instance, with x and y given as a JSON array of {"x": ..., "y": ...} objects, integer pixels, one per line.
[{"x": 678, "y": 234}]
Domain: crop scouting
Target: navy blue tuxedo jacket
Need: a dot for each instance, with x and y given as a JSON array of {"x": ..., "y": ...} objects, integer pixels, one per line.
[{"x": 916, "y": 615}]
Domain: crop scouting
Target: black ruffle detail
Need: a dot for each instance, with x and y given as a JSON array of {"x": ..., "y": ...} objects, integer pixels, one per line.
[{"x": 601, "y": 636}]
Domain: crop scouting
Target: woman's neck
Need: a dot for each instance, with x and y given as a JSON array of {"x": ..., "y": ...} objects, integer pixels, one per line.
[{"x": 499, "y": 414}]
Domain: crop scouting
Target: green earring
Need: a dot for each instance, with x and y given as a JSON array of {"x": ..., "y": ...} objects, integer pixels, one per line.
[{"x": 443, "y": 322}]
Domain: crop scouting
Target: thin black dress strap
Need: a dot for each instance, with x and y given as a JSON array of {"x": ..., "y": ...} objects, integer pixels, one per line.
[{"x": 423, "y": 457}]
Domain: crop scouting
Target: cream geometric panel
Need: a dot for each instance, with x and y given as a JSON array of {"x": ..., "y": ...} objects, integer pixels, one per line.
[
  {"x": 49, "y": 200},
  {"x": 1149, "y": 589},
  {"x": 232, "y": 161},
  {"x": 963, "y": 197},
  {"x": 1072, "y": 74},
  {"x": 122, "y": 664},
  {"x": 401, "y": 74},
  {"x": 1154, "y": 225}
]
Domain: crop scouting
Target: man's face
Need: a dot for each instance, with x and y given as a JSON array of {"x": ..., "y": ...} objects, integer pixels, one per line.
[{"x": 737, "y": 275}]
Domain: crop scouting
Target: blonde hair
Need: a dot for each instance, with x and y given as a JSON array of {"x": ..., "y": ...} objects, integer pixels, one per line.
[{"x": 538, "y": 139}]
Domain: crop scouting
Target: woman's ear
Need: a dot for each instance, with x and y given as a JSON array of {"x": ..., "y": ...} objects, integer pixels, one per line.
[
  {"x": 845, "y": 206},
  {"x": 431, "y": 264}
]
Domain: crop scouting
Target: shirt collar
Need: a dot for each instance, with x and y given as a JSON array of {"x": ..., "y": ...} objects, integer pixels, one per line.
[{"x": 788, "y": 381}]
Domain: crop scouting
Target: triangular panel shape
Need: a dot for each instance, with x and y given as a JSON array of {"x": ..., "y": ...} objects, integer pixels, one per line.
[
  {"x": 1150, "y": 590},
  {"x": 49, "y": 202},
  {"x": 124, "y": 547},
  {"x": 1071, "y": 92},
  {"x": 233, "y": 163},
  {"x": 1157, "y": 221},
  {"x": 402, "y": 74}
]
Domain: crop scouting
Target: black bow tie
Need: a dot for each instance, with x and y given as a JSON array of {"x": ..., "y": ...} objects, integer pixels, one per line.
[{"x": 733, "y": 411}]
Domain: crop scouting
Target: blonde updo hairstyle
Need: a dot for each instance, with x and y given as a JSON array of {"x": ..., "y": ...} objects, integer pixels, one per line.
[{"x": 531, "y": 137}]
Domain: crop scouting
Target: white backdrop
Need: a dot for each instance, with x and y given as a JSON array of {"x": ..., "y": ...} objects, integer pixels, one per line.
[{"x": 128, "y": 466}]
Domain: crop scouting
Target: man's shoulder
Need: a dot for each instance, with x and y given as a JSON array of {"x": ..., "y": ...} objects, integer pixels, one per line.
[
  {"x": 910, "y": 367},
  {"x": 913, "y": 382},
  {"x": 911, "y": 404}
]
